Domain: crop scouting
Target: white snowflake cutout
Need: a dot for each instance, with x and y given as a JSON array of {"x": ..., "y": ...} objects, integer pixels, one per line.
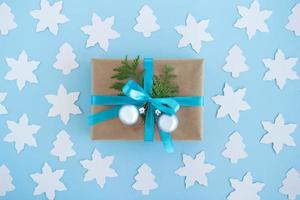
[
  {"x": 6, "y": 19},
  {"x": 235, "y": 62},
  {"x": 193, "y": 33},
  {"x": 231, "y": 103},
  {"x": 21, "y": 133},
  {"x": 253, "y": 19},
  {"x": 63, "y": 146},
  {"x": 235, "y": 148},
  {"x": 22, "y": 70},
  {"x": 280, "y": 69},
  {"x": 278, "y": 133},
  {"x": 195, "y": 170},
  {"x": 245, "y": 189},
  {"x": 49, "y": 16},
  {"x": 6, "y": 184},
  {"x": 100, "y": 32},
  {"x": 98, "y": 168},
  {"x": 63, "y": 104},
  {"x": 2, "y": 108},
  {"x": 48, "y": 182},
  {"x": 66, "y": 59},
  {"x": 294, "y": 18},
  {"x": 291, "y": 184},
  {"x": 146, "y": 22}
]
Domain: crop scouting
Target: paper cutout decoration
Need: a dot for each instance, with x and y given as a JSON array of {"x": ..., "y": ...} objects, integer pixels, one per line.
[
  {"x": 231, "y": 103},
  {"x": 100, "y": 32},
  {"x": 146, "y": 22},
  {"x": 63, "y": 104},
  {"x": 63, "y": 146},
  {"x": 291, "y": 184},
  {"x": 6, "y": 184},
  {"x": 21, "y": 133},
  {"x": 235, "y": 148},
  {"x": 22, "y": 70},
  {"x": 253, "y": 19},
  {"x": 48, "y": 182},
  {"x": 49, "y": 16},
  {"x": 145, "y": 180},
  {"x": 235, "y": 62},
  {"x": 195, "y": 170},
  {"x": 193, "y": 33},
  {"x": 66, "y": 59},
  {"x": 7, "y": 19},
  {"x": 2, "y": 107},
  {"x": 280, "y": 69},
  {"x": 278, "y": 133},
  {"x": 98, "y": 168},
  {"x": 245, "y": 189},
  {"x": 294, "y": 18}
]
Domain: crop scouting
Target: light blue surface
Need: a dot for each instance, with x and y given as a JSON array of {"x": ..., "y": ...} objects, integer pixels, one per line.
[{"x": 264, "y": 97}]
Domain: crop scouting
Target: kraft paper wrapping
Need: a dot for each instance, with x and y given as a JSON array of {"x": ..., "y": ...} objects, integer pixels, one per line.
[{"x": 190, "y": 80}]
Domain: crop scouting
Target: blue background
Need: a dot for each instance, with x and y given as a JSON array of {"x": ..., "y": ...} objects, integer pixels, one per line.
[{"x": 264, "y": 97}]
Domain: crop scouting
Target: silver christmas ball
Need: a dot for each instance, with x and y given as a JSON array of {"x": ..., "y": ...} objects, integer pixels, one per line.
[
  {"x": 168, "y": 123},
  {"x": 128, "y": 114}
]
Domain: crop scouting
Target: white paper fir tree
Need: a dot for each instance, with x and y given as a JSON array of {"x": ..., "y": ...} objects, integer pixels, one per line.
[
  {"x": 146, "y": 21},
  {"x": 235, "y": 148},
  {"x": 145, "y": 180},
  {"x": 63, "y": 146}
]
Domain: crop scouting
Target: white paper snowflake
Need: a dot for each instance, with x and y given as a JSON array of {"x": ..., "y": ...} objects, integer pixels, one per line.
[
  {"x": 6, "y": 19},
  {"x": 291, "y": 184},
  {"x": 48, "y": 182},
  {"x": 231, "y": 103},
  {"x": 280, "y": 69},
  {"x": 245, "y": 189},
  {"x": 278, "y": 133},
  {"x": 22, "y": 70},
  {"x": 235, "y": 62},
  {"x": 195, "y": 170},
  {"x": 193, "y": 33},
  {"x": 98, "y": 168},
  {"x": 21, "y": 133},
  {"x": 253, "y": 19},
  {"x": 49, "y": 16},
  {"x": 100, "y": 32},
  {"x": 63, "y": 104},
  {"x": 294, "y": 18},
  {"x": 6, "y": 184},
  {"x": 2, "y": 108}
]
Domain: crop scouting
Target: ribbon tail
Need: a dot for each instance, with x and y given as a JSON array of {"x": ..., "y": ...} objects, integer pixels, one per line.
[
  {"x": 166, "y": 139},
  {"x": 149, "y": 124},
  {"x": 103, "y": 115}
]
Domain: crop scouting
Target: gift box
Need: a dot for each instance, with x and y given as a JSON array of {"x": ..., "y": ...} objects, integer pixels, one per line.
[{"x": 189, "y": 78}]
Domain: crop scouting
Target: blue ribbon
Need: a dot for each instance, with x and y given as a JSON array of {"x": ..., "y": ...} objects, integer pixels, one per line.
[{"x": 136, "y": 95}]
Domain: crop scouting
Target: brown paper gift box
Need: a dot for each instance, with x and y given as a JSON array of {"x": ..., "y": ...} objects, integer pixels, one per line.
[{"x": 190, "y": 80}]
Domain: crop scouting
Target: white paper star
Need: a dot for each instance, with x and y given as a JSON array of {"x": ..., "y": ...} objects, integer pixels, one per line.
[
  {"x": 195, "y": 170},
  {"x": 2, "y": 108},
  {"x": 7, "y": 19},
  {"x": 291, "y": 184},
  {"x": 21, "y": 133},
  {"x": 280, "y": 69},
  {"x": 6, "y": 184},
  {"x": 278, "y": 133},
  {"x": 100, "y": 32},
  {"x": 48, "y": 182},
  {"x": 193, "y": 33},
  {"x": 231, "y": 103},
  {"x": 22, "y": 70},
  {"x": 294, "y": 19},
  {"x": 98, "y": 168},
  {"x": 49, "y": 16},
  {"x": 253, "y": 19},
  {"x": 245, "y": 189},
  {"x": 63, "y": 104}
]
